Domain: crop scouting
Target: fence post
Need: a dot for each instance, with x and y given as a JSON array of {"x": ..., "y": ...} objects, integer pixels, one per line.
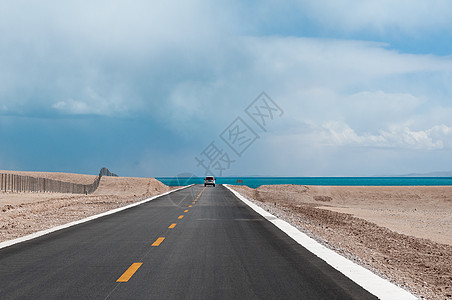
[{"x": 23, "y": 183}]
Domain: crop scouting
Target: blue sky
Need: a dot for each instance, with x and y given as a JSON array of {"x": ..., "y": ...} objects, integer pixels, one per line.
[{"x": 144, "y": 88}]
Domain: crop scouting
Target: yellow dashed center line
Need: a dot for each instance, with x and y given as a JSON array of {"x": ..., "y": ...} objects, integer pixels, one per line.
[
  {"x": 158, "y": 242},
  {"x": 129, "y": 273},
  {"x": 135, "y": 266}
]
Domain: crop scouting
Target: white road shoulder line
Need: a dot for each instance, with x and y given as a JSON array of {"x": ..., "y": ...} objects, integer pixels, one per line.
[
  {"x": 53, "y": 229},
  {"x": 371, "y": 282}
]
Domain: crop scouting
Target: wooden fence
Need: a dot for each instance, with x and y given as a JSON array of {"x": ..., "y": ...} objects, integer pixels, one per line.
[{"x": 20, "y": 183}]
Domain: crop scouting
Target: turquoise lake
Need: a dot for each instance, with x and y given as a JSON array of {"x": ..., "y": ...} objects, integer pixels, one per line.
[{"x": 255, "y": 182}]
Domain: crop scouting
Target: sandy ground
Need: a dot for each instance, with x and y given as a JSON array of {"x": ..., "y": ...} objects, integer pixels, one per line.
[
  {"x": 25, "y": 213},
  {"x": 401, "y": 233}
]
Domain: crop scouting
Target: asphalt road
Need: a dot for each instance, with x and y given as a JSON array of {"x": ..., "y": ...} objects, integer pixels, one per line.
[{"x": 219, "y": 249}]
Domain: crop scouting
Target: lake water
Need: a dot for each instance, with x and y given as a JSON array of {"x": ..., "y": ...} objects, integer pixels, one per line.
[{"x": 255, "y": 182}]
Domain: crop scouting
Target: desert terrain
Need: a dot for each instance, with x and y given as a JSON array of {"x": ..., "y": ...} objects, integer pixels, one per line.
[{"x": 403, "y": 234}]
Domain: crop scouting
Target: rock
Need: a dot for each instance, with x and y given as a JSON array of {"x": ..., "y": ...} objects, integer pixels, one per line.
[{"x": 323, "y": 198}]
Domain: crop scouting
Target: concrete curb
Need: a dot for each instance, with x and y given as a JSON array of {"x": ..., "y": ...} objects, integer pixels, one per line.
[
  {"x": 371, "y": 282},
  {"x": 64, "y": 226}
]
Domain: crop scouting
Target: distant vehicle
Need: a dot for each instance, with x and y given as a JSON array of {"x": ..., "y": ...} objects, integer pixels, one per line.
[{"x": 209, "y": 180}]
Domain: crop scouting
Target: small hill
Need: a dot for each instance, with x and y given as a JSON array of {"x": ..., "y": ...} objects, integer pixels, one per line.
[{"x": 130, "y": 186}]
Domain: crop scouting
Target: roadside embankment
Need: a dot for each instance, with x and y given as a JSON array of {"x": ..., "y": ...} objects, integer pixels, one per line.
[
  {"x": 401, "y": 233},
  {"x": 25, "y": 213}
]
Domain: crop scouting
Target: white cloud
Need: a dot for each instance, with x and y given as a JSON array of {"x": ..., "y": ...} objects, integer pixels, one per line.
[
  {"x": 372, "y": 110},
  {"x": 336, "y": 62},
  {"x": 375, "y": 101},
  {"x": 72, "y": 107},
  {"x": 340, "y": 134},
  {"x": 381, "y": 16},
  {"x": 92, "y": 104}
]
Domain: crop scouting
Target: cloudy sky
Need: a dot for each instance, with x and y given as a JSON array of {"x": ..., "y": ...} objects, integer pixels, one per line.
[{"x": 153, "y": 88}]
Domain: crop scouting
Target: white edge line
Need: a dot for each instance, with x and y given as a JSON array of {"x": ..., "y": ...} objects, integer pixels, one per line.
[
  {"x": 371, "y": 282},
  {"x": 67, "y": 225}
]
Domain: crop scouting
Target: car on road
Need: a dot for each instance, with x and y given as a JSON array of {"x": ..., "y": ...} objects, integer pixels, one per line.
[{"x": 209, "y": 180}]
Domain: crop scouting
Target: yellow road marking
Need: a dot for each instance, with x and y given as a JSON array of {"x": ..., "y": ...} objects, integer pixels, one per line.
[
  {"x": 129, "y": 273},
  {"x": 186, "y": 210},
  {"x": 180, "y": 217},
  {"x": 172, "y": 225},
  {"x": 193, "y": 202},
  {"x": 158, "y": 242},
  {"x": 190, "y": 206}
]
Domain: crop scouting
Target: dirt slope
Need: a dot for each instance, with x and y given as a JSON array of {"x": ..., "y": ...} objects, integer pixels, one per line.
[{"x": 25, "y": 213}]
